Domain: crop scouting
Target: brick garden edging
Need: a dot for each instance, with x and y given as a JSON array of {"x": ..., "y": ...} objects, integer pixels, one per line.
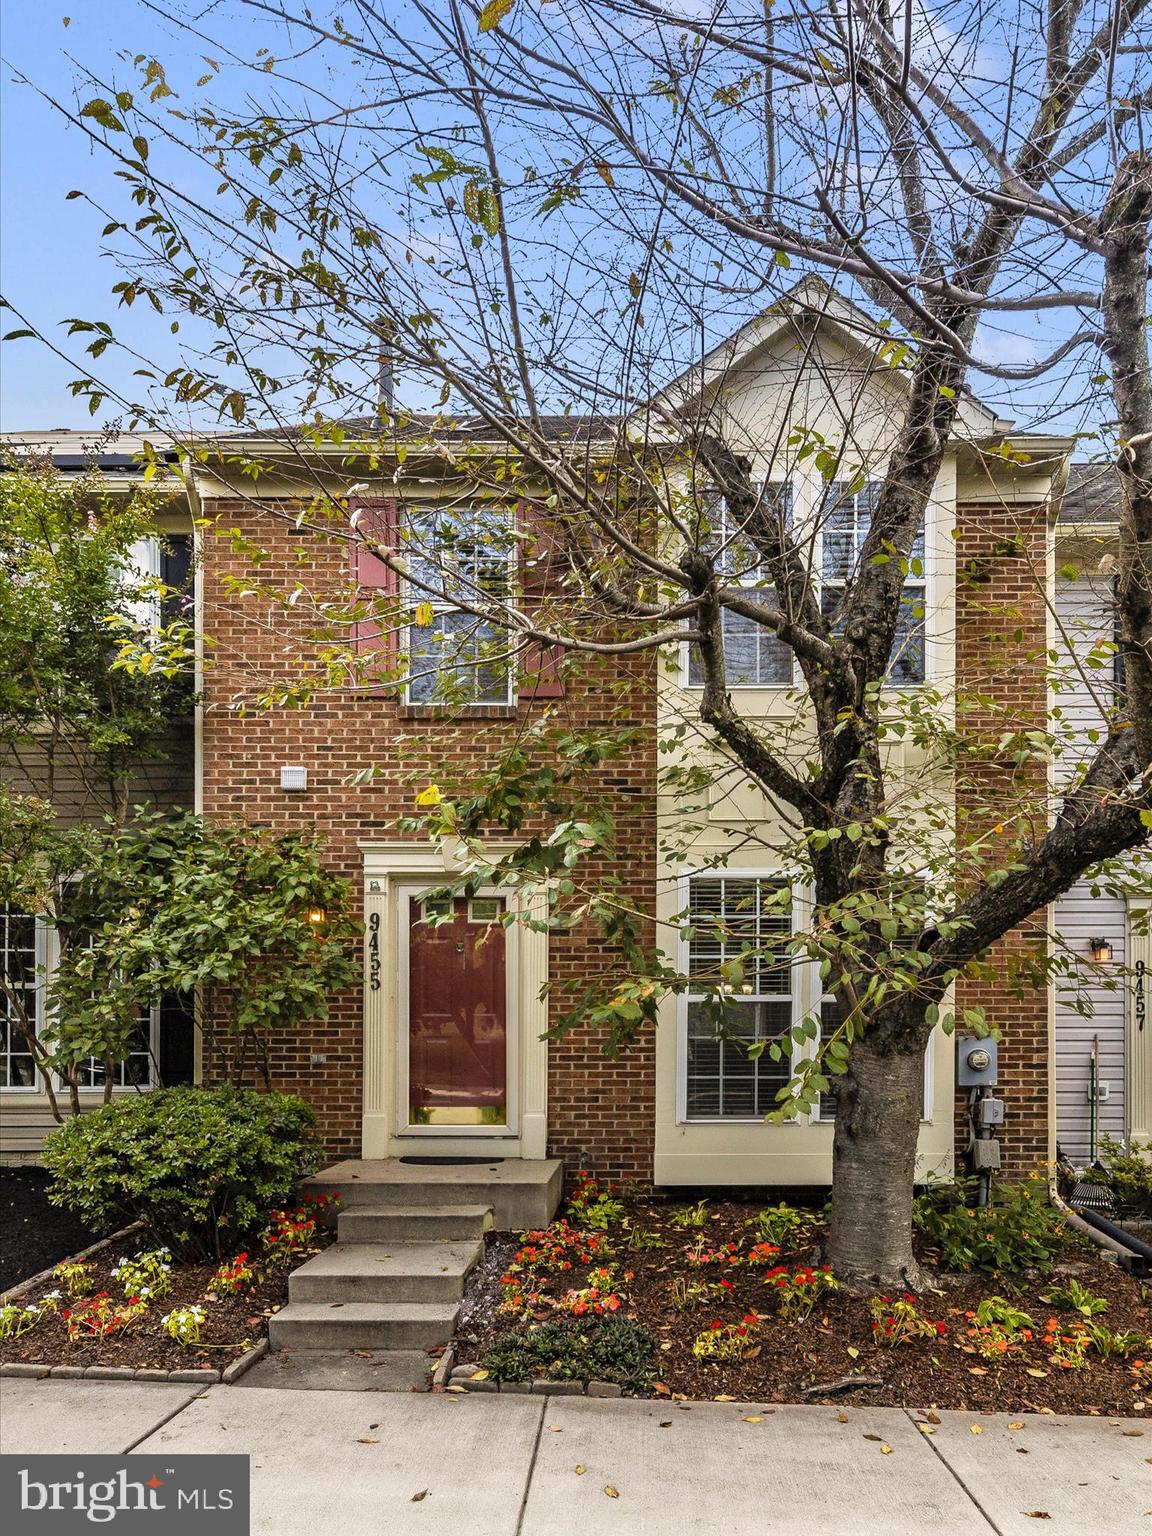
[
  {"x": 14, "y": 1292},
  {"x": 201, "y": 1376}
]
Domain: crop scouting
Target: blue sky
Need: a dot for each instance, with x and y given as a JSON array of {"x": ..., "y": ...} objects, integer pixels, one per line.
[
  {"x": 50, "y": 266},
  {"x": 50, "y": 262}
]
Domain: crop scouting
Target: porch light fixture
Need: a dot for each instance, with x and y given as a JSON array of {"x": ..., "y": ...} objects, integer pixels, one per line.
[
  {"x": 317, "y": 916},
  {"x": 1100, "y": 950}
]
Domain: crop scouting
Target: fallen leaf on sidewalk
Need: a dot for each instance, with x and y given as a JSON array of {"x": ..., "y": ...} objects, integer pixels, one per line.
[
  {"x": 932, "y": 1418},
  {"x": 975, "y": 1429},
  {"x": 613, "y": 1493},
  {"x": 1016, "y": 1424},
  {"x": 874, "y": 1437},
  {"x": 925, "y": 1429},
  {"x": 367, "y": 1440},
  {"x": 723, "y": 1397},
  {"x": 885, "y": 1450},
  {"x": 554, "y": 1429},
  {"x": 580, "y": 1471},
  {"x": 416, "y": 1497},
  {"x": 665, "y": 1423},
  {"x": 455, "y": 1389},
  {"x": 752, "y": 1418},
  {"x": 1133, "y": 1434},
  {"x": 842, "y": 1416},
  {"x": 1037, "y": 1514}
]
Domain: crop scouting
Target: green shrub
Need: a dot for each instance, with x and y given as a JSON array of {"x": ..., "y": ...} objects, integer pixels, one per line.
[
  {"x": 1128, "y": 1174},
  {"x": 1019, "y": 1230},
  {"x": 614, "y": 1349},
  {"x": 783, "y": 1225},
  {"x": 200, "y": 1167}
]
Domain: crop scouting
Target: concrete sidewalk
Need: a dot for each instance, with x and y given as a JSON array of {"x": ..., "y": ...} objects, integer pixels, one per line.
[{"x": 344, "y": 1463}]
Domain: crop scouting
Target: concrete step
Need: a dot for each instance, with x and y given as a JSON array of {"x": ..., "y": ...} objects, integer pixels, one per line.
[
  {"x": 363, "y": 1325},
  {"x": 445, "y": 1223},
  {"x": 383, "y": 1272},
  {"x": 521, "y": 1192}
]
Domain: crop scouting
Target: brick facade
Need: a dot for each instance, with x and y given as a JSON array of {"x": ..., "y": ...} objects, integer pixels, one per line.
[
  {"x": 1001, "y": 640},
  {"x": 601, "y": 1111}
]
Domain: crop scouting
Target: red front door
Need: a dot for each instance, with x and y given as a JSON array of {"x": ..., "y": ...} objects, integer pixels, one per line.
[{"x": 457, "y": 1013}]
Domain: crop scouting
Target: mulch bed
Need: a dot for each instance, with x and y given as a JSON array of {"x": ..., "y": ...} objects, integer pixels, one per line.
[
  {"x": 836, "y": 1340},
  {"x": 232, "y": 1324},
  {"x": 33, "y": 1234}
]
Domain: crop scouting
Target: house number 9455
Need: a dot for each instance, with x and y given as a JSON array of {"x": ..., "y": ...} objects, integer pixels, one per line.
[{"x": 374, "y": 952}]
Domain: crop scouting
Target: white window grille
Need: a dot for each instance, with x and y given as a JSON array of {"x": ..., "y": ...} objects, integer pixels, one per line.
[
  {"x": 19, "y": 997},
  {"x": 739, "y": 926},
  {"x": 753, "y": 655},
  {"x": 845, "y": 518},
  {"x": 457, "y": 556}
]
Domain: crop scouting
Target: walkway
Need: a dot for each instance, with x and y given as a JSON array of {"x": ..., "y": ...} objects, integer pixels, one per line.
[{"x": 347, "y": 1463}]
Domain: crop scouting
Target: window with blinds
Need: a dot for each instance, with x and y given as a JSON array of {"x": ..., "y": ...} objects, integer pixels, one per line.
[
  {"x": 845, "y": 519},
  {"x": 753, "y": 656},
  {"x": 739, "y": 928}
]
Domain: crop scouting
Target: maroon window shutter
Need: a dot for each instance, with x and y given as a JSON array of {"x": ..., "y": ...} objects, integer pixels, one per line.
[
  {"x": 541, "y": 666},
  {"x": 378, "y": 522}
]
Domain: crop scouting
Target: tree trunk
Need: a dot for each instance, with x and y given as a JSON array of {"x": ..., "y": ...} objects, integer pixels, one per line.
[{"x": 873, "y": 1164}]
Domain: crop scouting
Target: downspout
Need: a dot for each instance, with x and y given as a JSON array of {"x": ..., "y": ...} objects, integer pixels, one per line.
[{"x": 1103, "y": 1236}]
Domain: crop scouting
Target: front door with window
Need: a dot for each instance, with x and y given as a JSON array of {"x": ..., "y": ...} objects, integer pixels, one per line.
[{"x": 455, "y": 1069}]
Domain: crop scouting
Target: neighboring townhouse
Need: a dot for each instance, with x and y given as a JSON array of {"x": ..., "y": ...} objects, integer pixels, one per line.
[
  {"x": 163, "y": 781},
  {"x": 1103, "y": 1057}
]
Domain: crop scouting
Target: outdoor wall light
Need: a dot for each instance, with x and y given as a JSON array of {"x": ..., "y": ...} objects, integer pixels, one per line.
[
  {"x": 1100, "y": 950},
  {"x": 317, "y": 916}
]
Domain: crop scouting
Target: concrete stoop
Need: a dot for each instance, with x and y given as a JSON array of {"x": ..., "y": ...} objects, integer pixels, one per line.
[{"x": 407, "y": 1237}]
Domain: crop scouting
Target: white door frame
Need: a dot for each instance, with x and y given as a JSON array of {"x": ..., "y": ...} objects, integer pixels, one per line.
[{"x": 390, "y": 870}]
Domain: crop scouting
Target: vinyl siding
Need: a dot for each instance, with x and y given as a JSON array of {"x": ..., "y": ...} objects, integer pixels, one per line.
[{"x": 1083, "y": 611}]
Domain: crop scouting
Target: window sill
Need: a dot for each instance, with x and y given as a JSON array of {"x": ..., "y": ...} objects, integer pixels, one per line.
[{"x": 449, "y": 714}]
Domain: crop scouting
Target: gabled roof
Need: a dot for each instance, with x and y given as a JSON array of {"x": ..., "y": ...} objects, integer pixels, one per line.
[{"x": 812, "y": 300}]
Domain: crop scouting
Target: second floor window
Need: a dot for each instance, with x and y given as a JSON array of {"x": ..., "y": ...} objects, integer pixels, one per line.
[
  {"x": 753, "y": 656},
  {"x": 846, "y": 517},
  {"x": 460, "y": 559}
]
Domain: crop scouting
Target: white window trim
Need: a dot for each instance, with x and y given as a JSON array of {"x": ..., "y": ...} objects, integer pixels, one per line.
[
  {"x": 800, "y": 905},
  {"x": 802, "y": 496},
  {"x": 807, "y": 996},
  {"x": 412, "y": 596},
  {"x": 47, "y": 954}
]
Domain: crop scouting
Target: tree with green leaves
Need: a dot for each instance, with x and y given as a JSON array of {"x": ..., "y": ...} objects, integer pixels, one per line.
[
  {"x": 72, "y": 596},
  {"x": 545, "y": 221},
  {"x": 251, "y": 924}
]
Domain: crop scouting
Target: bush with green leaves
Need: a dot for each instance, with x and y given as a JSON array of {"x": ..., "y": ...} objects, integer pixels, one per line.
[
  {"x": 200, "y": 1167},
  {"x": 1128, "y": 1173},
  {"x": 1016, "y": 1231},
  {"x": 612, "y": 1349}
]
